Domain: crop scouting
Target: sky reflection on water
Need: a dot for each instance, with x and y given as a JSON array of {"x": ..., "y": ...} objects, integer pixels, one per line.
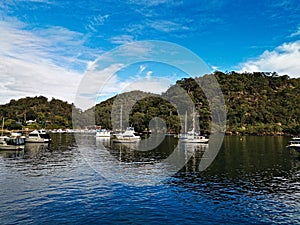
[{"x": 252, "y": 181}]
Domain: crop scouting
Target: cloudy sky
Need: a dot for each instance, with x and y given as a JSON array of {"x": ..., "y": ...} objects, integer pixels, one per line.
[{"x": 48, "y": 46}]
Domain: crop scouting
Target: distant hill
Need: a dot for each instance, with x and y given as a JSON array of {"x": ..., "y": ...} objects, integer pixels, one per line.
[
  {"x": 257, "y": 103},
  {"x": 261, "y": 103},
  {"x": 145, "y": 106},
  {"x": 39, "y": 112}
]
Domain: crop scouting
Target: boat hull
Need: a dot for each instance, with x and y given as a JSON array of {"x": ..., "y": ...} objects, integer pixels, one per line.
[
  {"x": 102, "y": 135},
  {"x": 195, "y": 141},
  {"x": 11, "y": 147},
  {"x": 32, "y": 140},
  {"x": 295, "y": 147},
  {"x": 122, "y": 140},
  {"x": 38, "y": 137}
]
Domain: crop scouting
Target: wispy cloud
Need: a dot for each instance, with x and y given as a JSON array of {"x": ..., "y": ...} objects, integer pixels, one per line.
[
  {"x": 152, "y": 3},
  {"x": 167, "y": 26},
  {"x": 296, "y": 33},
  {"x": 284, "y": 60},
  {"x": 39, "y": 62},
  {"x": 96, "y": 21},
  {"x": 99, "y": 85},
  {"x": 122, "y": 39}
]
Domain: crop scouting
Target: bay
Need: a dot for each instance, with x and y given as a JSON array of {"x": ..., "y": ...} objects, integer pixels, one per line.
[{"x": 253, "y": 180}]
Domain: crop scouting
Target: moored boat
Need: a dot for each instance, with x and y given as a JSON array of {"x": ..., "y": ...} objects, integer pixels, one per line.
[
  {"x": 128, "y": 136},
  {"x": 38, "y": 136},
  {"x": 11, "y": 143},
  {"x": 192, "y": 136},
  {"x": 102, "y": 133},
  {"x": 294, "y": 143}
]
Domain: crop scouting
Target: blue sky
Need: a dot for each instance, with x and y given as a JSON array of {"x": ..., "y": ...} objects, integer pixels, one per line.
[{"x": 47, "y": 46}]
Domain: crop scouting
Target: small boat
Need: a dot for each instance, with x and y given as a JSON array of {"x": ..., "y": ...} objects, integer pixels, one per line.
[
  {"x": 192, "y": 136},
  {"x": 294, "y": 144},
  {"x": 127, "y": 137},
  {"x": 15, "y": 142},
  {"x": 102, "y": 133},
  {"x": 11, "y": 143},
  {"x": 38, "y": 136}
]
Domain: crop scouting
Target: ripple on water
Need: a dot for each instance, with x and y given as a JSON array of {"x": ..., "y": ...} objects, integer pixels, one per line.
[{"x": 55, "y": 185}]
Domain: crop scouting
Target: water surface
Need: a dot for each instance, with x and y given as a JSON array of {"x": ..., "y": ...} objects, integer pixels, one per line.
[{"x": 253, "y": 180}]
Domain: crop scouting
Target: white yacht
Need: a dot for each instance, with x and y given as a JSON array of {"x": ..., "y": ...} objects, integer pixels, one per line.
[
  {"x": 295, "y": 143},
  {"x": 102, "y": 133},
  {"x": 194, "y": 137},
  {"x": 11, "y": 143},
  {"x": 38, "y": 136},
  {"x": 14, "y": 142},
  {"x": 127, "y": 136}
]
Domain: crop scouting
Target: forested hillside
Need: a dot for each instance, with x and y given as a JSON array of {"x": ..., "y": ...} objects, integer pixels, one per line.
[
  {"x": 39, "y": 112},
  {"x": 261, "y": 103},
  {"x": 256, "y": 103}
]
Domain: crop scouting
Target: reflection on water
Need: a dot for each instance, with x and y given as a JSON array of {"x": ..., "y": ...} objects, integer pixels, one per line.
[
  {"x": 12, "y": 154},
  {"x": 127, "y": 152},
  {"x": 253, "y": 180},
  {"x": 35, "y": 150},
  {"x": 39, "y": 159}
]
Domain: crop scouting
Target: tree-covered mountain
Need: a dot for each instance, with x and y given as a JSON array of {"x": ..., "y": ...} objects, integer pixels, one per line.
[
  {"x": 37, "y": 112},
  {"x": 261, "y": 103},
  {"x": 256, "y": 103}
]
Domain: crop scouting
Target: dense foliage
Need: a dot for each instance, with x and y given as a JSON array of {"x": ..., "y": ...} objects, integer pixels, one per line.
[
  {"x": 261, "y": 103},
  {"x": 43, "y": 113},
  {"x": 138, "y": 108},
  {"x": 256, "y": 103}
]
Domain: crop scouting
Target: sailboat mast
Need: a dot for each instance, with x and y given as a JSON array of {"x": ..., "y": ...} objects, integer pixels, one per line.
[
  {"x": 185, "y": 123},
  {"x": 2, "y": 126},
  {"x": 194, "y": 119},
  {"x": 121, "y": 117}
]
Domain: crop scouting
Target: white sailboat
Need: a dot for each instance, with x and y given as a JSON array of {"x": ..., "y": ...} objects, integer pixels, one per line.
[
  {"x": 128, "y": 136},
  {"x": 14, "y": 142},
  {"x": 192, "y": 136},
  {"x": 103, "y": 133}
]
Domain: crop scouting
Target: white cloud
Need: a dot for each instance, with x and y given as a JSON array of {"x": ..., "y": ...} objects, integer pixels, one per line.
[
  {"x": 96, "y": 21},
  {"x": 39, "y": 62},
  {"x": 155, "y": 85},
  {"x": 22, "y": 78},
  {"x": 122, "y": 39},
  {"x": 98, "y": 85},
  {"x": 296, "y": 33},
  {"x": 152, "y": 3},
  {"x": 214, "y": 68},
  {"x": 283, "y": 60},
  {"x": 167, "y": 26},
  {"x": 148, "y": 75},
  {"x": 142, "y": 68}
]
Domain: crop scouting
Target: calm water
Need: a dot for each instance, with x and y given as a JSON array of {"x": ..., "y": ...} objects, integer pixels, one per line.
[{"x": 253, "y": 180}]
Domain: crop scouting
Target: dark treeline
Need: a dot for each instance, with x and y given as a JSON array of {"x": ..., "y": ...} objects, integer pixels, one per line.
[
  {"x": 36, "y": 112},
  {"x": 261, "y": 103},
  {"x": 256, "y": 103}
]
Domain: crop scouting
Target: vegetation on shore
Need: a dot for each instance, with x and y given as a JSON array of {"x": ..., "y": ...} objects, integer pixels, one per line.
[
  {"x": 256, "y": 103},
  {"x": 36, "y": 113}
]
